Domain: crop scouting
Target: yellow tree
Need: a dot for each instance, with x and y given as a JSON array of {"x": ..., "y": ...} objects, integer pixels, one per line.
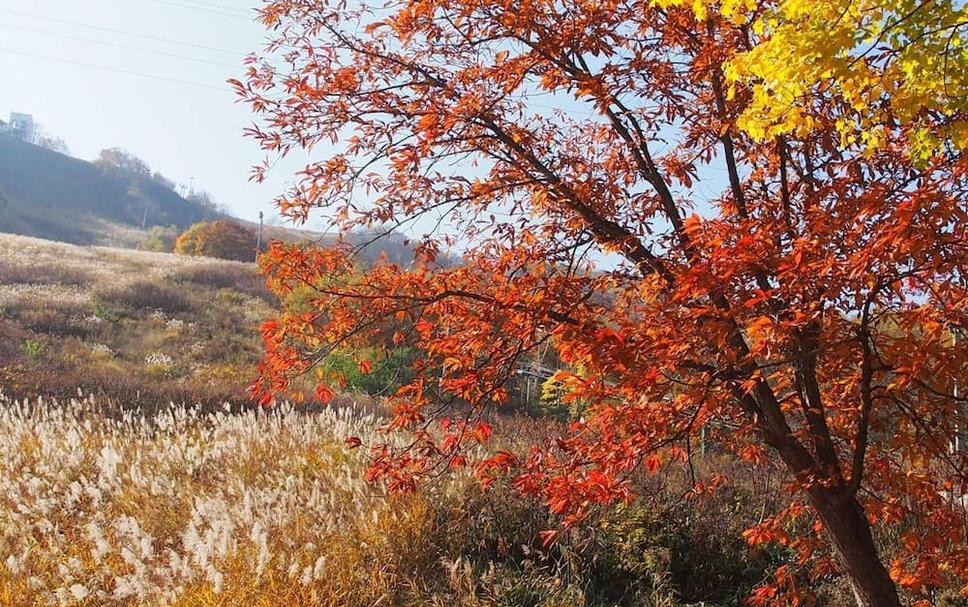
[{"x": 893, "y": 61}]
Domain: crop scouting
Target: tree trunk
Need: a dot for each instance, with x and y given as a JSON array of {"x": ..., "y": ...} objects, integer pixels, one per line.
[{"x": 850, "y": 533}]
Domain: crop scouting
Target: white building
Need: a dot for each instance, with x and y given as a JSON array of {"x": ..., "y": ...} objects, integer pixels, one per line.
[{"x": 21, "y": 126}]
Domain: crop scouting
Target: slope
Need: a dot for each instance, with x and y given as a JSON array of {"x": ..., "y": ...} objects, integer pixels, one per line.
[{"x": 50, "y": 195}]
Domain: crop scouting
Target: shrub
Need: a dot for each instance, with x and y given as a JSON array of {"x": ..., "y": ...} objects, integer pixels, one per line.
[
  {"x": 12, "y": 335},
  {"x": 160, "y": 239},
  {"x": 102, "y": 314},
  {"x": 118, "y": 384},
  {"x": 48, "y": 316},
  {"x": 657, "y": 544},
  {"x": 222, "y": 239},
  {"x": 389, "y": 370},
  {"x": 33, "y": 348}
]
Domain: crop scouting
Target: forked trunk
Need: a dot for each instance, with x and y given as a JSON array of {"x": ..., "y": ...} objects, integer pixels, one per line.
[{"x": 850, "y": 533}]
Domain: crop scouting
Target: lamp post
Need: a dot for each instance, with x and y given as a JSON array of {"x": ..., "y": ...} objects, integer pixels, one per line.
[{"x": 258, "y": 240}]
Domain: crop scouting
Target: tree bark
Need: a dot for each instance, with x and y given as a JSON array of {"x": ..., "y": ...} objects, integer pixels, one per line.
[{"x": 849, "y": 531}]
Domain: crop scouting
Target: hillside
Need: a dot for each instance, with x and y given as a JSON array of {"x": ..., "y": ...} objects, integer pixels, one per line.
[
  {"x": 124, "y": 324},
  {"x": 50, "y": 195}
]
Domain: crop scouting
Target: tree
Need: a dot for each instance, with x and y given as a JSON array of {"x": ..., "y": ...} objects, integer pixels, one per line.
[
  {"x": 116, "y": 160},
  {"x": 207, "y": 202},
  {"x": 223, "y": 239},
  {"x": 792, "y": 293},
  {"x": 160, "y": 239},
  {"x": 909, "y": 55},
  {"x": 51, "y": 142},
  {"x": 163, "y": 181}
]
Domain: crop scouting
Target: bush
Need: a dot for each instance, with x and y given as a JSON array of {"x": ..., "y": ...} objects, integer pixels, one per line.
[
  {"x": 160, "y": 239},
  {"x": 46, "y": 317},
  {"x": 389, "y": 370},
  {"x": 33, "y": 348},
  {"x": 118, "y": 385},
  {"x": 697, "y": 554},
  {"x": 12, "y": 335},
  {"x": 221, "y": 239}
]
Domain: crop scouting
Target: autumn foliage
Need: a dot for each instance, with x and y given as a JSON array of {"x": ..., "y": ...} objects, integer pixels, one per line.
[
  {"x": 222, "y": 239},
  {"x": 727, "y": 239}
]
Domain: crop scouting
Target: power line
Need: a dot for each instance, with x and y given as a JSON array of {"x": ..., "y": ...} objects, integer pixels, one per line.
[
  {"x": 202, "y": 9},
  {"x": 123, "y": 32},
  {"x": 116, "y": 70},
  {"x": 159, "y": 39},
  {"x": 117, "y": 45},
  {"x": 223, "y": 6},
  {"x": 249, "y": 11}
]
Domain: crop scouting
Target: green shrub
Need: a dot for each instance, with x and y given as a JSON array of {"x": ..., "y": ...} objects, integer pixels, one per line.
[
  {"x": 160, "y": 239},
  {"x": 389, "y": 370},
  {"x": 33, "y": 348},
  {"x": 102, "y": 313}
]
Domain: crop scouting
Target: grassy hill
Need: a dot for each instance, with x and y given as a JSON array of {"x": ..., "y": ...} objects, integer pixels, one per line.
[
  {"x": 127, "y": 324},
  {"x": 50, "y": 195}
]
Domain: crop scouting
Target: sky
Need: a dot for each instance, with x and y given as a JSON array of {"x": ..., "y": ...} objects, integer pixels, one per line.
[
  {"x": 150, "y": 76},
  {"x": 84, "y": 71}
]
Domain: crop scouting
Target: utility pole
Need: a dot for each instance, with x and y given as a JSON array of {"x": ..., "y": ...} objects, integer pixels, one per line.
[
  {"x": 258, "y": 240},
  {"x": 144, "y": 218}
]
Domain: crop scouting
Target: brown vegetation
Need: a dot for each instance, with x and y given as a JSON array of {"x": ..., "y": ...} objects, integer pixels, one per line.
[
  {"x": 127, "y": 326},
  {"x": 221, "y": 239}
]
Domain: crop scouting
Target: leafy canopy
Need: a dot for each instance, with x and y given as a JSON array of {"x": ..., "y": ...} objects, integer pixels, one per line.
[
  {"x": 722, "y": 232},
  {"x": 223, "y": 239},
  {"x": 890, "y": 60}
]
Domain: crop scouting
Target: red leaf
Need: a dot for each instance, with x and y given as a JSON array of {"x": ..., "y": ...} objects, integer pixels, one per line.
[
  {"x": 548, "y": 537},
  {"x": 323, "y": 393}
]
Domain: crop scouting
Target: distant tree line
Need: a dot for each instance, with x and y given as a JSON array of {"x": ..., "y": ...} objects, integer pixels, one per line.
[
  {"x": 47, "y": 140},
  {"x": 121, "y": 162}
]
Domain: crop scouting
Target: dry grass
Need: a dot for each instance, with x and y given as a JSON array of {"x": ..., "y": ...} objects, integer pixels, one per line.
[
  {"x": 100, "y": 506},
  {"x": 184, "y": 508},
  {"x": 98, "y": 267},
  {"x": 133, "y": 326}
]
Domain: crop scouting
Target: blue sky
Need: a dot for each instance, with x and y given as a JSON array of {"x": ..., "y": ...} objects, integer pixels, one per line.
[
  {"x": 181, "y": 130},
  {"x": 83, "y": 69}
]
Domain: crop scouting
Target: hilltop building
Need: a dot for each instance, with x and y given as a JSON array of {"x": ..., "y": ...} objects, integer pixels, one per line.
[{"x": 21, "y": 126}]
